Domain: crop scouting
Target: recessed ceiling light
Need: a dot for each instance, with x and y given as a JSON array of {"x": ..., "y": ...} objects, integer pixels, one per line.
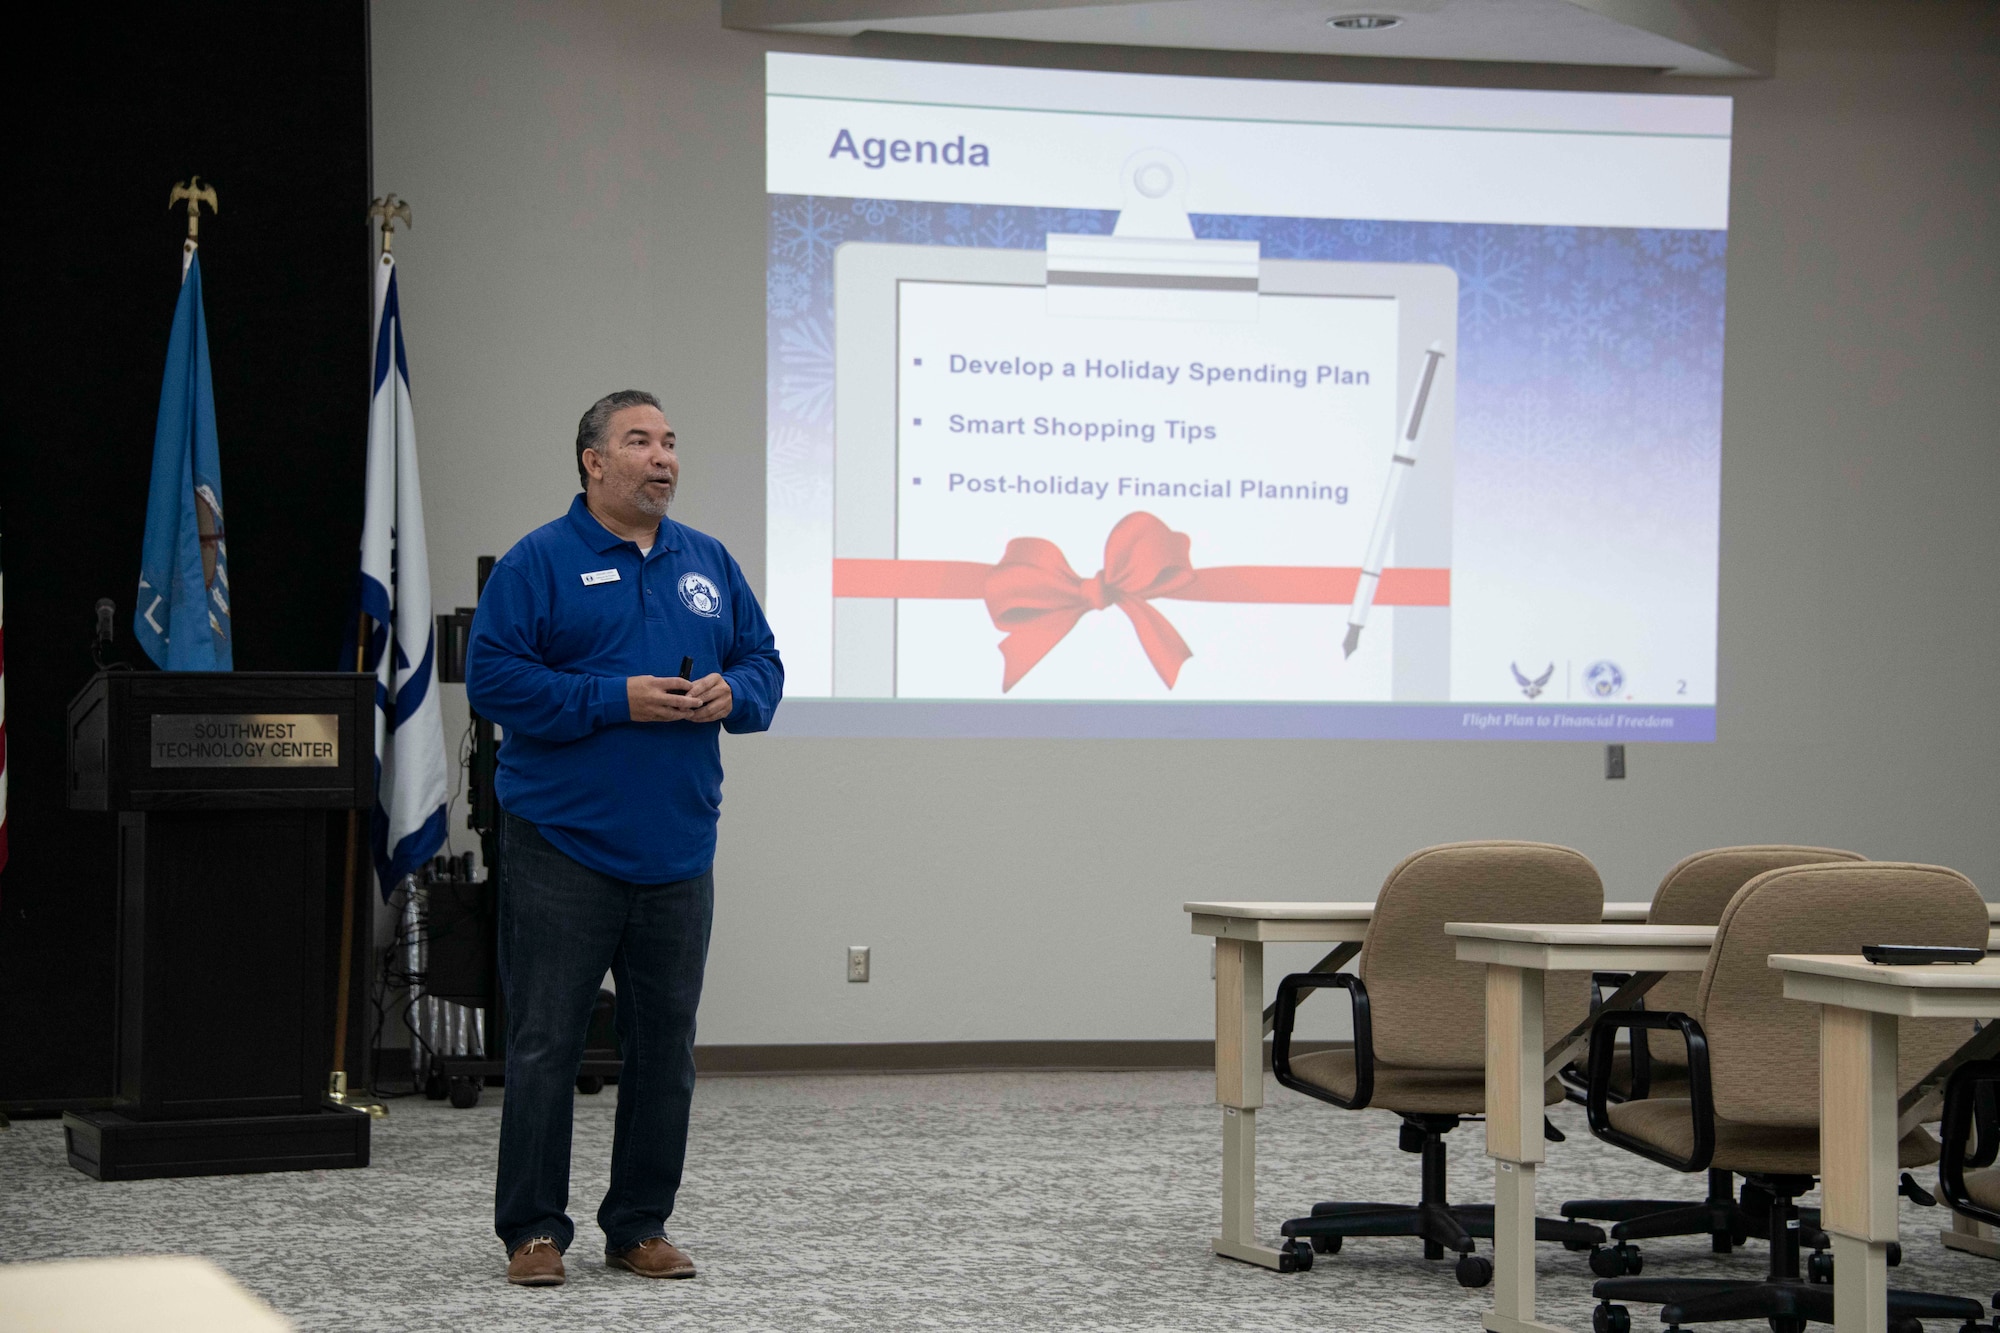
[{"x": 1364, "y": 22}]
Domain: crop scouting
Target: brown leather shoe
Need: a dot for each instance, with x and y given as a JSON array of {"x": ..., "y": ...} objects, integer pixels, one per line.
[
  {"x": 654, "y": 1257},
  {"x": 535, "y": 1263}
]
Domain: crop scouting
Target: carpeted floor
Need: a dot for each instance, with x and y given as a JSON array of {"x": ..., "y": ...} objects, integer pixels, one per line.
[{"x": 1025, "y": 1201}]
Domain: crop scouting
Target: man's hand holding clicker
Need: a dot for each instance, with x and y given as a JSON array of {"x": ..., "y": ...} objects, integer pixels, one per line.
[
  {"x": 672, "y": 699},
  {"x": 659, "y": 699},
  {"x": 713, "y": 698}
]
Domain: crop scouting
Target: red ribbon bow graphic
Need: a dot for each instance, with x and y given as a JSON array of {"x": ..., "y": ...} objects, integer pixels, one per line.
[{"x": 1035, "y": 595}]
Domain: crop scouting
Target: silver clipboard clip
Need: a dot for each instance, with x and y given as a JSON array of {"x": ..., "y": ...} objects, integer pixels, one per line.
[{"x": 1152, "y": 266}]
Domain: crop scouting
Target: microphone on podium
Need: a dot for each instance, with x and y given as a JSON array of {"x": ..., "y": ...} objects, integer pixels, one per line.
[{"x": 107, "y": 611}]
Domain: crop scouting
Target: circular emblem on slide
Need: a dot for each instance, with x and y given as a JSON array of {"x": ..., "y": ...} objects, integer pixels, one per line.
[
  {"x": 700, "y": 596},
  {"x": 1602, "y": 679}
]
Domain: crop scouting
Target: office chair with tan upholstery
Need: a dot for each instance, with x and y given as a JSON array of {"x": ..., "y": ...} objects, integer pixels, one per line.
[
  {"x": 1970, "y": 1136},
  {"x": 1419, "y": 1046},
  {"x": 1694, "y": 893},
  {"x": 1752, "y": 1056}
]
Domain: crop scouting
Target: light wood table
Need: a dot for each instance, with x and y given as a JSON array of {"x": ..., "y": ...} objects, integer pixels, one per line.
[
  {"x": 169, "y": 1293},
  {"x": 1520, "y": 1059},
  {"x": 1241, "y": 930},
  {"x": 1860, "y": 1113},
  {"x": 1242, "y": 1020}
]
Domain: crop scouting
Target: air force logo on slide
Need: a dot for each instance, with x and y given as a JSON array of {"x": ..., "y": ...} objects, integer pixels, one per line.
[
  {"x": 1532, "y": 688},
  {"x": 700, "y": 596}
]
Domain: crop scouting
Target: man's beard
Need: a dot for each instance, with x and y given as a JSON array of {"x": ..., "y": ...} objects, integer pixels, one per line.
[{"x": 650, "y": 503}]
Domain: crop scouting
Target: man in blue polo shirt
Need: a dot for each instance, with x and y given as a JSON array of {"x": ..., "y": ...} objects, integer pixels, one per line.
[{"x": 610, "y": 783}]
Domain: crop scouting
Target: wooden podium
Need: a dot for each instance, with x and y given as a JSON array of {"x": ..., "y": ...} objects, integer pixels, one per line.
[{"x": 230, "y": 788}]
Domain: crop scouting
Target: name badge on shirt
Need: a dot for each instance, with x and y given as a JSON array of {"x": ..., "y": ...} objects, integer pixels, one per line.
[{"x": 596, "y": 577}]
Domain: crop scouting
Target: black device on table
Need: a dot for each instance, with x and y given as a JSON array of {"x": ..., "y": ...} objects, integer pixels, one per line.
[{"x": 1905, "y": 955}]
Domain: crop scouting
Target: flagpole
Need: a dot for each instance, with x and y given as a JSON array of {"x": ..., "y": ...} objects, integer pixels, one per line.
[
  {"x": 336, "y": 1083},
  {"x": 386, "y": 212}
]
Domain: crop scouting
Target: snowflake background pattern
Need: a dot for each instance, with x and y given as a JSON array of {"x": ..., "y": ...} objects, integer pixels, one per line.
[{"x": 1590, "y": 366}]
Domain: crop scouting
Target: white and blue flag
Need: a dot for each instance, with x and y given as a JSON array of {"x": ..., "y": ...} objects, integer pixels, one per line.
[
  {"x": 182, "y": 616},
  {"x": 409, "y": 822}
]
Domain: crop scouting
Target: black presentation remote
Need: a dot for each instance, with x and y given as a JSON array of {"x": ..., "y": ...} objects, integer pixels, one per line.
[{"x": 1905, "y": 954}]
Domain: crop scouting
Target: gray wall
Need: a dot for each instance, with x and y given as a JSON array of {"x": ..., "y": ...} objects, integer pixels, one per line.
[{"x": 588, "y": 187}]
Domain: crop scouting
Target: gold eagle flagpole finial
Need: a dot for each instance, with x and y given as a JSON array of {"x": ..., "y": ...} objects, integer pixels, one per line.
[
  {"x": 196, "y": 195},
  {"x": 388, "y": 211}
]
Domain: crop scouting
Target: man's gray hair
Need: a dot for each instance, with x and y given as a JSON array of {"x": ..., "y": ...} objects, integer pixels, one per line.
[{"x": 593, "y": 430}]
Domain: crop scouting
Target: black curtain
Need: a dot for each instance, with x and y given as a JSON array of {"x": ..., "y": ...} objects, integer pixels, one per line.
[{"x": 269, "y": 104}]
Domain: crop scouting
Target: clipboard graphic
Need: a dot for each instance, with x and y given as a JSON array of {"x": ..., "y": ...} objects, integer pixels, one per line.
[{"x": 1141, "y": 466}]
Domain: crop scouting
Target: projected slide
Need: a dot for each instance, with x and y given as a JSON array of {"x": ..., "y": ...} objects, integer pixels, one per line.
[{"x": 1110, "y": 405}]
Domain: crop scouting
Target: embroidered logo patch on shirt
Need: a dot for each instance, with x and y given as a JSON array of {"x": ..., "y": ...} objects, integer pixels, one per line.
[
  {"x": 700, "y": 596},
  {"x": 600, "y": 576}
]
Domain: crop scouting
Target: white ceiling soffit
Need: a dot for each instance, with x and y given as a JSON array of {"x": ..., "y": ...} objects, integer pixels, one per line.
[{"x": 1707, "y": 37}]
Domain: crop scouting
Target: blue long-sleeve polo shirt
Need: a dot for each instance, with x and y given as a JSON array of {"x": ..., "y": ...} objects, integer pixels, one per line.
[{"x": 570, "y": 612}]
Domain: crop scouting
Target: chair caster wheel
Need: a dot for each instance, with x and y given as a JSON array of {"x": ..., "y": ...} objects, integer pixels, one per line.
[
  {"x": 1295, "y": 1256},
  {"x": 1611, "y": 1319},
  {"x": 1474, "y": 1270},
  {"x": 464, "y": 1093},
  {"x": 1906, "y": 1326},
  {"x": 1620, "y": 1260},
  {"x": 1326, "y": 1244},
  {"x": 1819, "y": 1267},
  {"x": 1896, "y": 1257},
  {"x": 590, "y": 1084},
  {"x": 1578, "y": 1246}
]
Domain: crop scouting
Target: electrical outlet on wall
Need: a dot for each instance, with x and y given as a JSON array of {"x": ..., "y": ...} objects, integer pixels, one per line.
[
  {"x": 857, "y": 962},
  {"x": 1614, "y": 761}
]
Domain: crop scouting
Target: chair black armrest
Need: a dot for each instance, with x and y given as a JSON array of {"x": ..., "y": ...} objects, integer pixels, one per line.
[
  {"x": 1639, "y": 1051},
  {"x": 1604, "y": 1036},
  {"x": 1289, "y": 990},
  {"x": 1603, "y": 982},
  {"x": 1986, "y": 1124},
  {"x": 1969, "y": 1085}
]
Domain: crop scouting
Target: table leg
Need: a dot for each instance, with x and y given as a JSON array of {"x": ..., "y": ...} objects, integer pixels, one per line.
[
  {"x": 1239, "y": 1086},
  {"x": 1513, "y": 1139},
  {"x": 1857, "y": 1091},
  {"x": 1970, "y": 1237}
]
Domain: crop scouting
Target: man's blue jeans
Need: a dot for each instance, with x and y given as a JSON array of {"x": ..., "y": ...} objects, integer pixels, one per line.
[{"x": 562, "y": 926}]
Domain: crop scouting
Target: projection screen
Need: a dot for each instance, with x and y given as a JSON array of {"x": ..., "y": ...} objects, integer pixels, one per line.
[{"x": 1129, "y": 405}]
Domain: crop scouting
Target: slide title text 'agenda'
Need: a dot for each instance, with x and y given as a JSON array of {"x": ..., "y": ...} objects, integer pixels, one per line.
[{"x": 878, "y": 153}]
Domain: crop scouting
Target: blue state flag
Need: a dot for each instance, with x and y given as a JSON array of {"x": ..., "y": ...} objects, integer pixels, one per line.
[
  {"x": 182, "y": 615},
  {"x": 401, "y": 649}
]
